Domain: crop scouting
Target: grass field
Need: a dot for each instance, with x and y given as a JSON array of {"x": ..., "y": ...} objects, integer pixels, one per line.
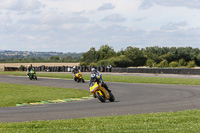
[
  {"x": 117, "y": 78},
  {"x": 173, "y": 122},
  {"x": 12, "y": 94}
]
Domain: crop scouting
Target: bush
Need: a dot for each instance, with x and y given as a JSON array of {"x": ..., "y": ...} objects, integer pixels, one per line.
[
  {"x": 83, "y": 64},
  {"x": 93, "y": 64},
  {"x": 21, "y": 68},
  {"x": 163, "y": 63},
  {"x": 103, "y": 63},
  {"x": 191, "y": 64},
  {"x": 182, "y": 62},
  {"x": 150, "y": 63},
  {"x": 139, "y": 62},
  {"x": 174, "y": 64},
  {"x": 120, "y": 61}
]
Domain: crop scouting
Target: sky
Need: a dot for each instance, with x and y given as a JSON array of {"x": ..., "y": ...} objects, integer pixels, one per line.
[{"x": 78, "y": 25}]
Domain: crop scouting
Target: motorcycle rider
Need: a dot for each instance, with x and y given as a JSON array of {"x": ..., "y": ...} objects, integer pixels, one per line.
[
  {"x": 29, "y": 68},
  {"x": 74, "y": 71},
  {"x": 98, "y": 77}
]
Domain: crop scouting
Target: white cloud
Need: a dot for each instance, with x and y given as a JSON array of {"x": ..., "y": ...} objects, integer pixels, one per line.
[
  {"x": 69, "y": 26},
  {"x": 175, "y": 3},
  {"x": 19, "y": 5},
  {"x": 5, "y": 19},
  {"x": 106, "y": 6},
  {"x": 175, "y": 26},
  {"x": 114, "y": 18}
]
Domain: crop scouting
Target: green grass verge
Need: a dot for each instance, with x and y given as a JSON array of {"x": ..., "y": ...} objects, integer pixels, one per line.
[
  {"x": 15, "y": 73},
  {"x": 12, "y": 94},
  {"x": 117, "y": 78},
  {"x": 173, "y": 122}
]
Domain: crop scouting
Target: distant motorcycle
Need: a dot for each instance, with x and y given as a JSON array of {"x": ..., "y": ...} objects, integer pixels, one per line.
[
  {"x": 79, "y": 78},
  {"x": 32, "y": 75},
  {"x": 101, "y": 93}
]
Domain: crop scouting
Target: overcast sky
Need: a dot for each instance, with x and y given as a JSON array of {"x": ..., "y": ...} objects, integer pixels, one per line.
[{"x": 78, "y": 25}]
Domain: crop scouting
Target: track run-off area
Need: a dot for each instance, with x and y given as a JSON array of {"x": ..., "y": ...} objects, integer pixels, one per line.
[{"x": 131, "y": 98}]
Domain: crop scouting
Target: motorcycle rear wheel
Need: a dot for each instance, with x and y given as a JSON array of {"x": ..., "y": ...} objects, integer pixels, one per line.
[{"x": 112, "y": 98}]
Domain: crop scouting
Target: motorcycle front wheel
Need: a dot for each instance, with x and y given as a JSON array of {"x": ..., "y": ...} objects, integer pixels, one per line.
[{"x": 100, "y": 97}]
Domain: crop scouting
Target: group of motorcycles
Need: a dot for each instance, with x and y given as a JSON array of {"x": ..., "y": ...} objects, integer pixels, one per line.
[{"x": 97, "y": 90}]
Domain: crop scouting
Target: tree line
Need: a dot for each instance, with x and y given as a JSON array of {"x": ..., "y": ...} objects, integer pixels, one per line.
[
  {"x": 150, "y": 56},
  {"x": 131, "y": 56}
]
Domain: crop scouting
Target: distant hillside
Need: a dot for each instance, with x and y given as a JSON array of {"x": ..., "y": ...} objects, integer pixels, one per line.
[{"x": 6, "y": 54}]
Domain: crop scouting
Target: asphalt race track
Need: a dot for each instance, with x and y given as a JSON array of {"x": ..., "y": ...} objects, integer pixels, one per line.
[{"x": 130, "y": 99}]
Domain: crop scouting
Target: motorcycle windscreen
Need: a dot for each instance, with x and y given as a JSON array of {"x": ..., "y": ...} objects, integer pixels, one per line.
[{"x": 93, "y": 87}]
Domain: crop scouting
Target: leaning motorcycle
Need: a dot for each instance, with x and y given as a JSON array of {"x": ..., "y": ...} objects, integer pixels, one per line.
[
  {"x": 32, "y": 75},
  {"x": 100, "y": 92},
  {"x": 79, "y": 78}
]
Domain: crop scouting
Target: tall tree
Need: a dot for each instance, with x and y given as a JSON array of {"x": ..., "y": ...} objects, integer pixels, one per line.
[
  {"x": 106, "y": 52},
  {"x": 90, "y": 56},
  {"x": 135, "y": 55}
]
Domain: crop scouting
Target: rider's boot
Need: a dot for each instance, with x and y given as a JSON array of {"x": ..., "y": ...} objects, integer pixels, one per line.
[
  {"x": 94, "y": 96},
  {"x": 75, "y": 78},
  {"x": 106, "y": 87}
]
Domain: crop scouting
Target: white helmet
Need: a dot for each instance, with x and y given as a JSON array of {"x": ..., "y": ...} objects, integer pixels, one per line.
[
  {"x": 74, "y": 67},
  {"x": 93, "y": 69}
]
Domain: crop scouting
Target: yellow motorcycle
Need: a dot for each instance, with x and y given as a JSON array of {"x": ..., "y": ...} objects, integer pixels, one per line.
[
  {"x": 78, "y": 77},
  {"x": 100, "y": 92}
]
